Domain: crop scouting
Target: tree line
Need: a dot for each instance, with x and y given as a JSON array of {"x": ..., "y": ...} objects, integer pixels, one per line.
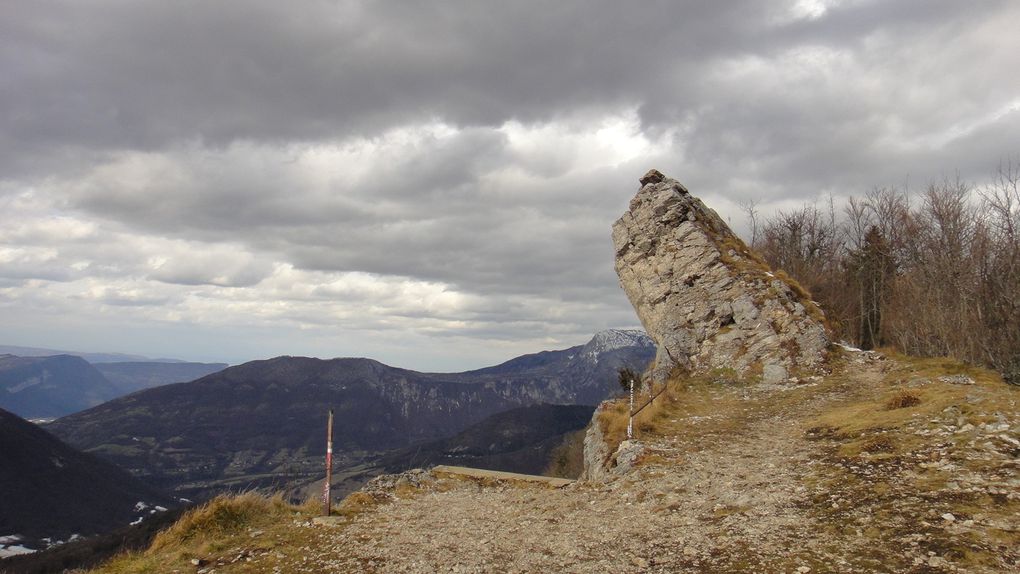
[{"x": 935, "y": 273}]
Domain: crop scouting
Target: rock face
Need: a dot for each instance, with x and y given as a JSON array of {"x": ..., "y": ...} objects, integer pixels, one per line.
[{"x": 706, "y": 299}]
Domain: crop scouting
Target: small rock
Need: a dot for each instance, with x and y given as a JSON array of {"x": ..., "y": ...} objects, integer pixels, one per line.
[
  {"x": 948, "y": 517},
  {"x": 803, "y": 569},
  {"x": 774, "y": 373},
  {"x": 956, "y": 379}
]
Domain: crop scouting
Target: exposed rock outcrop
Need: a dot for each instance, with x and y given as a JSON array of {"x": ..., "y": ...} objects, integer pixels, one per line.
[
  {"x": 705, "y": 298},
  {"x": 596, "y": 452},
  {"x": 601, "y": 464}
]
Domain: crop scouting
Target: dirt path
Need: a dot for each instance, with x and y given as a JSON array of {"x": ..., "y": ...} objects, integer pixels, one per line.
[{"x": 741, "y": 489}]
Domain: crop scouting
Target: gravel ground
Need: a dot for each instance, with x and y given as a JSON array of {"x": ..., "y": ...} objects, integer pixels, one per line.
[{"x": 756, "y": 494}]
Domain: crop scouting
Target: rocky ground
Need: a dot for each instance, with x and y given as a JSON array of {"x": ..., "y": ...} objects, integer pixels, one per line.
[{"x": 735, "y": 478}]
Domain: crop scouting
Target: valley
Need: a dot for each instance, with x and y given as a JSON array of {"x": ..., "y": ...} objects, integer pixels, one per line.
[{"x": 261, "y": 424}]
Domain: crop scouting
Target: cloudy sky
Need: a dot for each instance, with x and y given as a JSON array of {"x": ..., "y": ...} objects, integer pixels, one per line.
[{"x": 432, "y": 184}]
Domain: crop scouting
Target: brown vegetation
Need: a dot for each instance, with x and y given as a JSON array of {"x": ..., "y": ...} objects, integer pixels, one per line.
[
  {"x": 933, "y": 274},
  {"x": 225, "y": 530}
]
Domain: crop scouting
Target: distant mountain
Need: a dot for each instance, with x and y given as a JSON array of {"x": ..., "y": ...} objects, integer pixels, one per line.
[
  {"x": 521, "y": 440},
  {"x": 135, "y": 376},
  {"x": 263, "y": 423},
  {"x": 49, "y": 490},
  {"x": 49, "y": 387},
  {"x": 585, "y": 374},
  {"x": 54, "y": 386},
  {"x": 90, "y": 357},
  {"x": 518, "y": 440}
]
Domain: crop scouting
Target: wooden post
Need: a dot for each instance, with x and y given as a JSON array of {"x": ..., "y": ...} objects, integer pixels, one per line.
[{"x": 329, "y": 465}]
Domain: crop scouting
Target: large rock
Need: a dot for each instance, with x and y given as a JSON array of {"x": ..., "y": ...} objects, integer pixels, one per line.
[{"x": 706, "y": 299}]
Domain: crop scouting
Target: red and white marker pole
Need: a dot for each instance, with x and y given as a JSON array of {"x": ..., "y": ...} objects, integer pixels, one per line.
[{"x": 329, "y": 465}]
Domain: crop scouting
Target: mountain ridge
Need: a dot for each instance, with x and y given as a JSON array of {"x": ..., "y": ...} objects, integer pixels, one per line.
[
  {"x": 262, "y": 423},
  {"x": 51, "y": 490}
]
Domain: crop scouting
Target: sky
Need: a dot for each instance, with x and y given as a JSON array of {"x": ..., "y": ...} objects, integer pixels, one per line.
[{"x": 432, "y": 184}]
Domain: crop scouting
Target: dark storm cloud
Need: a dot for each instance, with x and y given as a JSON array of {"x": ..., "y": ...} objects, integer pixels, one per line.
[
  {"x": 138, "y": 75},
  {"x": 143, "y": 75},
  {"x": 455, "y": 145}
]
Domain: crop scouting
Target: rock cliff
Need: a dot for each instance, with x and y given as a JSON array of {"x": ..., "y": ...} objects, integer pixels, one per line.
[{"x": 706, "y": 299}]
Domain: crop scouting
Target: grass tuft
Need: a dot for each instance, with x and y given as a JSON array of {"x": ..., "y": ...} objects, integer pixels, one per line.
[
  {"x": 221, "y": 515},
  {"x": 211, "y": 531},
  {"x": 902, "y": 400}
]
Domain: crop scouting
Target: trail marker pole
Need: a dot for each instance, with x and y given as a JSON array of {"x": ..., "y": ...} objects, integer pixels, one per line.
[
  {"x": 630, "y": 412},
  {"x": 329, "y": 465}
]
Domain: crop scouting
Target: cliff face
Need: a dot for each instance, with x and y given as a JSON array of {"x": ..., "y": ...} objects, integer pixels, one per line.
[{"x": 704, "y": 297}]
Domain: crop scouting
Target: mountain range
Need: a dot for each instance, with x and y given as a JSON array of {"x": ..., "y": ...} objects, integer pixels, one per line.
[
  {"x": 47, "y": 387},
  {"x": 94, "y": 358},
  {"x": 263, "y": 423}
]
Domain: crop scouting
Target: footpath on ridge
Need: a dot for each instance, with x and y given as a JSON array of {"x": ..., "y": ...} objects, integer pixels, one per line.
[{"x": 735, "y": 478}]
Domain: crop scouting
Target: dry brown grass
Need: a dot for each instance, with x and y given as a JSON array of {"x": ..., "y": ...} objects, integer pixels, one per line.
[
  {"x": 355, "y": 503},
  {"x": 221, "y": 515},
  {"x": 212, "y": 531},
  {"x": 902, "y": 400},
  {"x": 613, "y": 418},
  {"x": 910, "y": 390},
  {"x": 885, "y": 430}
]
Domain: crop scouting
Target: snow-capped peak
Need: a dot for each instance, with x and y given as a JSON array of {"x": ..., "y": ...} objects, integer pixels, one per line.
[{"x": 612, "y": 339}]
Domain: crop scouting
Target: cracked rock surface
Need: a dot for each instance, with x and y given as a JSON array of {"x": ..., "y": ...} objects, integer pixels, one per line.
[{"x": 704, "y": 297}]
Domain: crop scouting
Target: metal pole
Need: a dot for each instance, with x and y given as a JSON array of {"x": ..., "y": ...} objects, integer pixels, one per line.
[{"x": 329, "y": 465}]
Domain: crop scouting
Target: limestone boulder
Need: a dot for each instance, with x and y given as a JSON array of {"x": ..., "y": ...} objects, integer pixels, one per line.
[{"x": 706, "y": 299}]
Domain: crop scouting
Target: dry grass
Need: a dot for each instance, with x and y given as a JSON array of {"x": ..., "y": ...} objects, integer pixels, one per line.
[
  {"x": 222, "y": 515},
  {"x": 742, "y": 259},
  {"x": 889, "y": 437},
  {"x": 613, "y": 418},
  {"x": 705, "y": 397},
  {"x": 909, "y": 391},
  {"x": 355, "y": 503},
  {"x": 902, "y": 400},
  {"x": 213, "y": 532}
]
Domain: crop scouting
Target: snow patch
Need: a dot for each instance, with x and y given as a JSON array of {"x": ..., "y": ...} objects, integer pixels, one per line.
[
  {"x": 14, "y": 550},
  {"x": 612, "y": 339},
  {"x": 9, "y": 546}
]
